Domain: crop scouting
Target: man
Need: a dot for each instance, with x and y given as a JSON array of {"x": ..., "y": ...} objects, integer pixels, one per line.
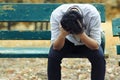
[{"x": 76, "y": 30}]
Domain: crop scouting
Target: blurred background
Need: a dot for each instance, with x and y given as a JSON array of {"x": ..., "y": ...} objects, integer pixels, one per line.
[{"x": 32, "y": 69}]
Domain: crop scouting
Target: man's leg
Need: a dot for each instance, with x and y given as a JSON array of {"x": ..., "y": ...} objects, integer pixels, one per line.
[
  {"x": 96, "y": 57},
  {"x": 54, "y": 60},
  {"x": 98, "y": 64},
  {"x": 54, "y": 68}
]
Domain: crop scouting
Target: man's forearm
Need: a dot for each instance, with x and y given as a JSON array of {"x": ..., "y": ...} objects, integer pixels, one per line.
[
  {"x": 59, "y": 42},
  {"x": 89, "y": 42}
]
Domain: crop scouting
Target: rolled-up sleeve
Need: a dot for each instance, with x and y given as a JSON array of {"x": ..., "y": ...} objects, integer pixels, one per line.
[
  {"x": 54, "y": 24},
  {"x": 95, "y": 25}
]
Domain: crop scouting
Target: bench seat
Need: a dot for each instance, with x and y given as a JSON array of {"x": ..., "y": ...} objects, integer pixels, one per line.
[
  {"x": 21, "y": 52},
  {"x": 34, "y": 52}
]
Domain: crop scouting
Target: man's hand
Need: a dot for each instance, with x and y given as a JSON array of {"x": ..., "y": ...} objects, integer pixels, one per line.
[
  {"x": 59, "y": 42},
  {"x": 63, "y": 32},
  {"x": 88, "y": 41}
]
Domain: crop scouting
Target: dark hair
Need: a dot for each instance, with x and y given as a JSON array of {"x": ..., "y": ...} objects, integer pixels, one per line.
[{"x": 70, "y": 20}]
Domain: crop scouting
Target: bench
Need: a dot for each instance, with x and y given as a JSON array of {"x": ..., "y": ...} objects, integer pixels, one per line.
[
  {"x": 116, "y": 32},
  {"x": 19, "y": 12}
]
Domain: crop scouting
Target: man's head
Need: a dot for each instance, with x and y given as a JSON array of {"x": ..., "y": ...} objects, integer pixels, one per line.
[{"x": 72, "y": 21}]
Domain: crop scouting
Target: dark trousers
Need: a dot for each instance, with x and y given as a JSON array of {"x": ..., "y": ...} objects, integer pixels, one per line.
[{"x": 96, "y": 57}]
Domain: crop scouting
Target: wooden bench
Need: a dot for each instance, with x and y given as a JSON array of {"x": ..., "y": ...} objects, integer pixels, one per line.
[
  {"x": 116, "y": 32},
  {"x": 19, "y": 12}
]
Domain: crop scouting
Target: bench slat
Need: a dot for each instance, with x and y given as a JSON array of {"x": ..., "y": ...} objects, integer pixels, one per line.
[
  {"x": 25, "y": 35},
  {"x": 25, "y": 12},
  {"x": 21, "y": 52},
  {"x": 116, "y": 27}
]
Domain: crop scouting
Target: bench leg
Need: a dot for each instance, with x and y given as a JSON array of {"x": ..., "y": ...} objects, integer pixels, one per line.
[
  {"x": 119, "y": 62},
  {"x": 106, "y": 55}
]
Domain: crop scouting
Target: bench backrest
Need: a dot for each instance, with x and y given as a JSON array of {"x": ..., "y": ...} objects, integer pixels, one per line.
[
  {"x": 116, "y": 31},
  {"x": 19, "y": 12},
  {"x": 116, "y": 27}
]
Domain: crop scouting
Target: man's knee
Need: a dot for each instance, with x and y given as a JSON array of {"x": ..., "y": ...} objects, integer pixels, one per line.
[
  {"x": 97, "y": 55},
  {"x": 100, "y": 53},
  {"x": 54, "y": 54}
]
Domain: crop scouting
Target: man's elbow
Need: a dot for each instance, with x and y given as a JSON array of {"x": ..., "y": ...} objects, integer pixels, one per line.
[
  {"x": 56, "y": 47},
  {"x": 95, "y": 47}
]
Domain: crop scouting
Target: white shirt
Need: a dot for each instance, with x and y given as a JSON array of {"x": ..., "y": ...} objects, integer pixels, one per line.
[{"x": 91, "y": 18}]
